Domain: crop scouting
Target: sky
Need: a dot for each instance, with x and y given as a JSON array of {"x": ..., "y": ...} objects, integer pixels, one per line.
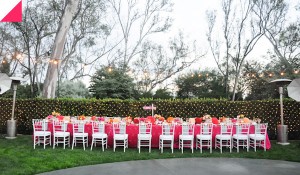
[{"x": 190, "y": 17}]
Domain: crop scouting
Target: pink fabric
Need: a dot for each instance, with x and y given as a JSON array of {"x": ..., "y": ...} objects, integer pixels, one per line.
[{"x": 132, "y": 130}]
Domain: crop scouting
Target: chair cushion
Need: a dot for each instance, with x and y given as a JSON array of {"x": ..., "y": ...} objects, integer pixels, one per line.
[
  {"x": 223, "y": 137},
  {"x": 257, "y": 136},
  {"x": 42, "y": 133},
  {"x": 80, "y": 134},
  {"x": 240, "y": 136},
  {"x": 61, "y": 134},
  {"x": 120, "y": 136},
  {"x": 186, "y": 137},
  {"x": 166, "y": 137},
  {"x": 99, "y": 135},
  {"x": 144, "y": 136},
  {"x": 204, "y": 137}
]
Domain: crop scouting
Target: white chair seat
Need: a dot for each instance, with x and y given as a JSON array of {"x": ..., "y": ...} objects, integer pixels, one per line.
[
  {"x": 257, "y": 136},
  {"x": 61, "y": 134},
  {"x": 240, "y": 136},
  {"x": 120, "y": 136},
  {"x": 80, "y": 134},
  {"x": 186, "y": 137},
  {"x": 223, "y": 137},
  {"x": 204, "y": 137},
  {"x": 42, "y": 133},
  {"x": 144, "y": 136},
  {"x": 166, "y": 137},
  {"x": 99, "y": 135}
]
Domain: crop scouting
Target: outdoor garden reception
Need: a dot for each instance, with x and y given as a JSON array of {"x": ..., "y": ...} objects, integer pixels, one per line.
[{"x": 127, "y": 87}]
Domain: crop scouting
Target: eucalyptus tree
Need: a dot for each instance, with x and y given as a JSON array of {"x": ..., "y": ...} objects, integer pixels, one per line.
[
  {"x": 40, "y": 41},
  {"x": 157, "y": 64},
  {"x": 69, "y": 12},
  {"x": 136, "y": 25},
  {"x": 134, "y": 22},
  {"x": 7, "y": 46},
  {"x": 241, "y": 32},
  {"x": 280, "y": 31}
]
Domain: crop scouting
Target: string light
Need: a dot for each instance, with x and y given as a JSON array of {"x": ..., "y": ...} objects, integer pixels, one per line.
[{"x": 265, "y": 110}]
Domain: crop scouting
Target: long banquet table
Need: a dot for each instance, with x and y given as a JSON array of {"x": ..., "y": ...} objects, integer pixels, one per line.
[{"x": 132, "y": 130}]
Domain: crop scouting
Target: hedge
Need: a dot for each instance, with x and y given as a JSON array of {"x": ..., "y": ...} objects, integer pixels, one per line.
[{"x": 268, "y": 111}]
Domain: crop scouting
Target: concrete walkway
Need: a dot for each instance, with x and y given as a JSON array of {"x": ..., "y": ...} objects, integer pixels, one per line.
[{"x": 188, "y": 166}]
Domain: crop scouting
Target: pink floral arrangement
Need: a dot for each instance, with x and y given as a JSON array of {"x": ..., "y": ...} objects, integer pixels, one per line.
[
  {"x": 102, "y": 119},
  {"x": 150, "y": 119}
]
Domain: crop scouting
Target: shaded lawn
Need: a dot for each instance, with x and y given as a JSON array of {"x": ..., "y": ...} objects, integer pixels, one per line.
[{"x": 18, "y": 156}]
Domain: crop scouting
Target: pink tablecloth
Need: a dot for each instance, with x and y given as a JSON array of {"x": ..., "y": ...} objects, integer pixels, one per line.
[{"x": 133, "y": 130}]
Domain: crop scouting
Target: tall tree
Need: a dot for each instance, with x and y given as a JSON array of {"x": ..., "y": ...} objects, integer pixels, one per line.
[
  {"x": 71, "y": 7},
  {"x": 157, "y": 64},
  {"x": 241, "y": 32},
  {"x": 283, "y": 37},
  {"x": 134, "y": 22}
]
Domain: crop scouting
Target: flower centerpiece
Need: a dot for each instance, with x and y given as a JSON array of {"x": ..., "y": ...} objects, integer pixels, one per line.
[
  {"x": 198, "y": 120},
  {"x": 256, "y": 120},
  {"x": 54, "y": 113},
  {"x": 161, "y": 119},
  {"x": 57, "y": 115},
  {"x": 215, "y": 120},
  {"x": 81, "y": 117},
  {"x": 150, "y": 119},
  {"x": 94, "y": 118},
  {"x": 128, "y": 120},
  {"x": 170, "y": 119},
  {"x": 241, "y": 116},
  {"x": 206, "y": 118},
  {"x": 136, "y": 120}
]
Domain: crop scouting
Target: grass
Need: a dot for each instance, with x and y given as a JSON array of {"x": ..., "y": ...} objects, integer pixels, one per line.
[{"x": 18, "y": 156}]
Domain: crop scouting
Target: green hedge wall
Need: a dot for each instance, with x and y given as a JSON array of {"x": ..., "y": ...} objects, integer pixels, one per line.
[{"x": 268, "y": 110}]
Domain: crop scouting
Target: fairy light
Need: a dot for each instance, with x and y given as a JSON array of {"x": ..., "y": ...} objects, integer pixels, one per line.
[{"x": 185, "y": 108}]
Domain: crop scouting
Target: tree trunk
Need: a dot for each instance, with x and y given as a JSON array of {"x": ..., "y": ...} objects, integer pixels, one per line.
[{"x": 58, "y": 47}]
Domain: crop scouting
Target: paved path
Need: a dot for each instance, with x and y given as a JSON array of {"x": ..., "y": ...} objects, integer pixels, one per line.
[{"x": 188, "y": 166}]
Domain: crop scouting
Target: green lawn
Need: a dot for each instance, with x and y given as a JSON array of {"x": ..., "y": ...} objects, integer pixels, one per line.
[{"x": 18, "y": 156}]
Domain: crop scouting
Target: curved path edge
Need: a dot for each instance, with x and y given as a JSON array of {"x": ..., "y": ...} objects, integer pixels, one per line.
[{"x": 187, "y": 166}]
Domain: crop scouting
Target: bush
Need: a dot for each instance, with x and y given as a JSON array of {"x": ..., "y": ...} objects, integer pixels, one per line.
[{"x": 268, "y": 111}]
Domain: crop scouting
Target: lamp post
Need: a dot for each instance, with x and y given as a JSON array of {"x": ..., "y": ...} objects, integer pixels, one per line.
[
  {"x": 282, "y": 130},
  {"x": 12, "y": 123}
]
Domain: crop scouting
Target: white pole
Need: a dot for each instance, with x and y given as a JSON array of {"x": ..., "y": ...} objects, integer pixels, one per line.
[
  {"x": 14, "y": 101},
  {"x": 152, "y": 110},
  {"x": 281, "y": 105}
]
